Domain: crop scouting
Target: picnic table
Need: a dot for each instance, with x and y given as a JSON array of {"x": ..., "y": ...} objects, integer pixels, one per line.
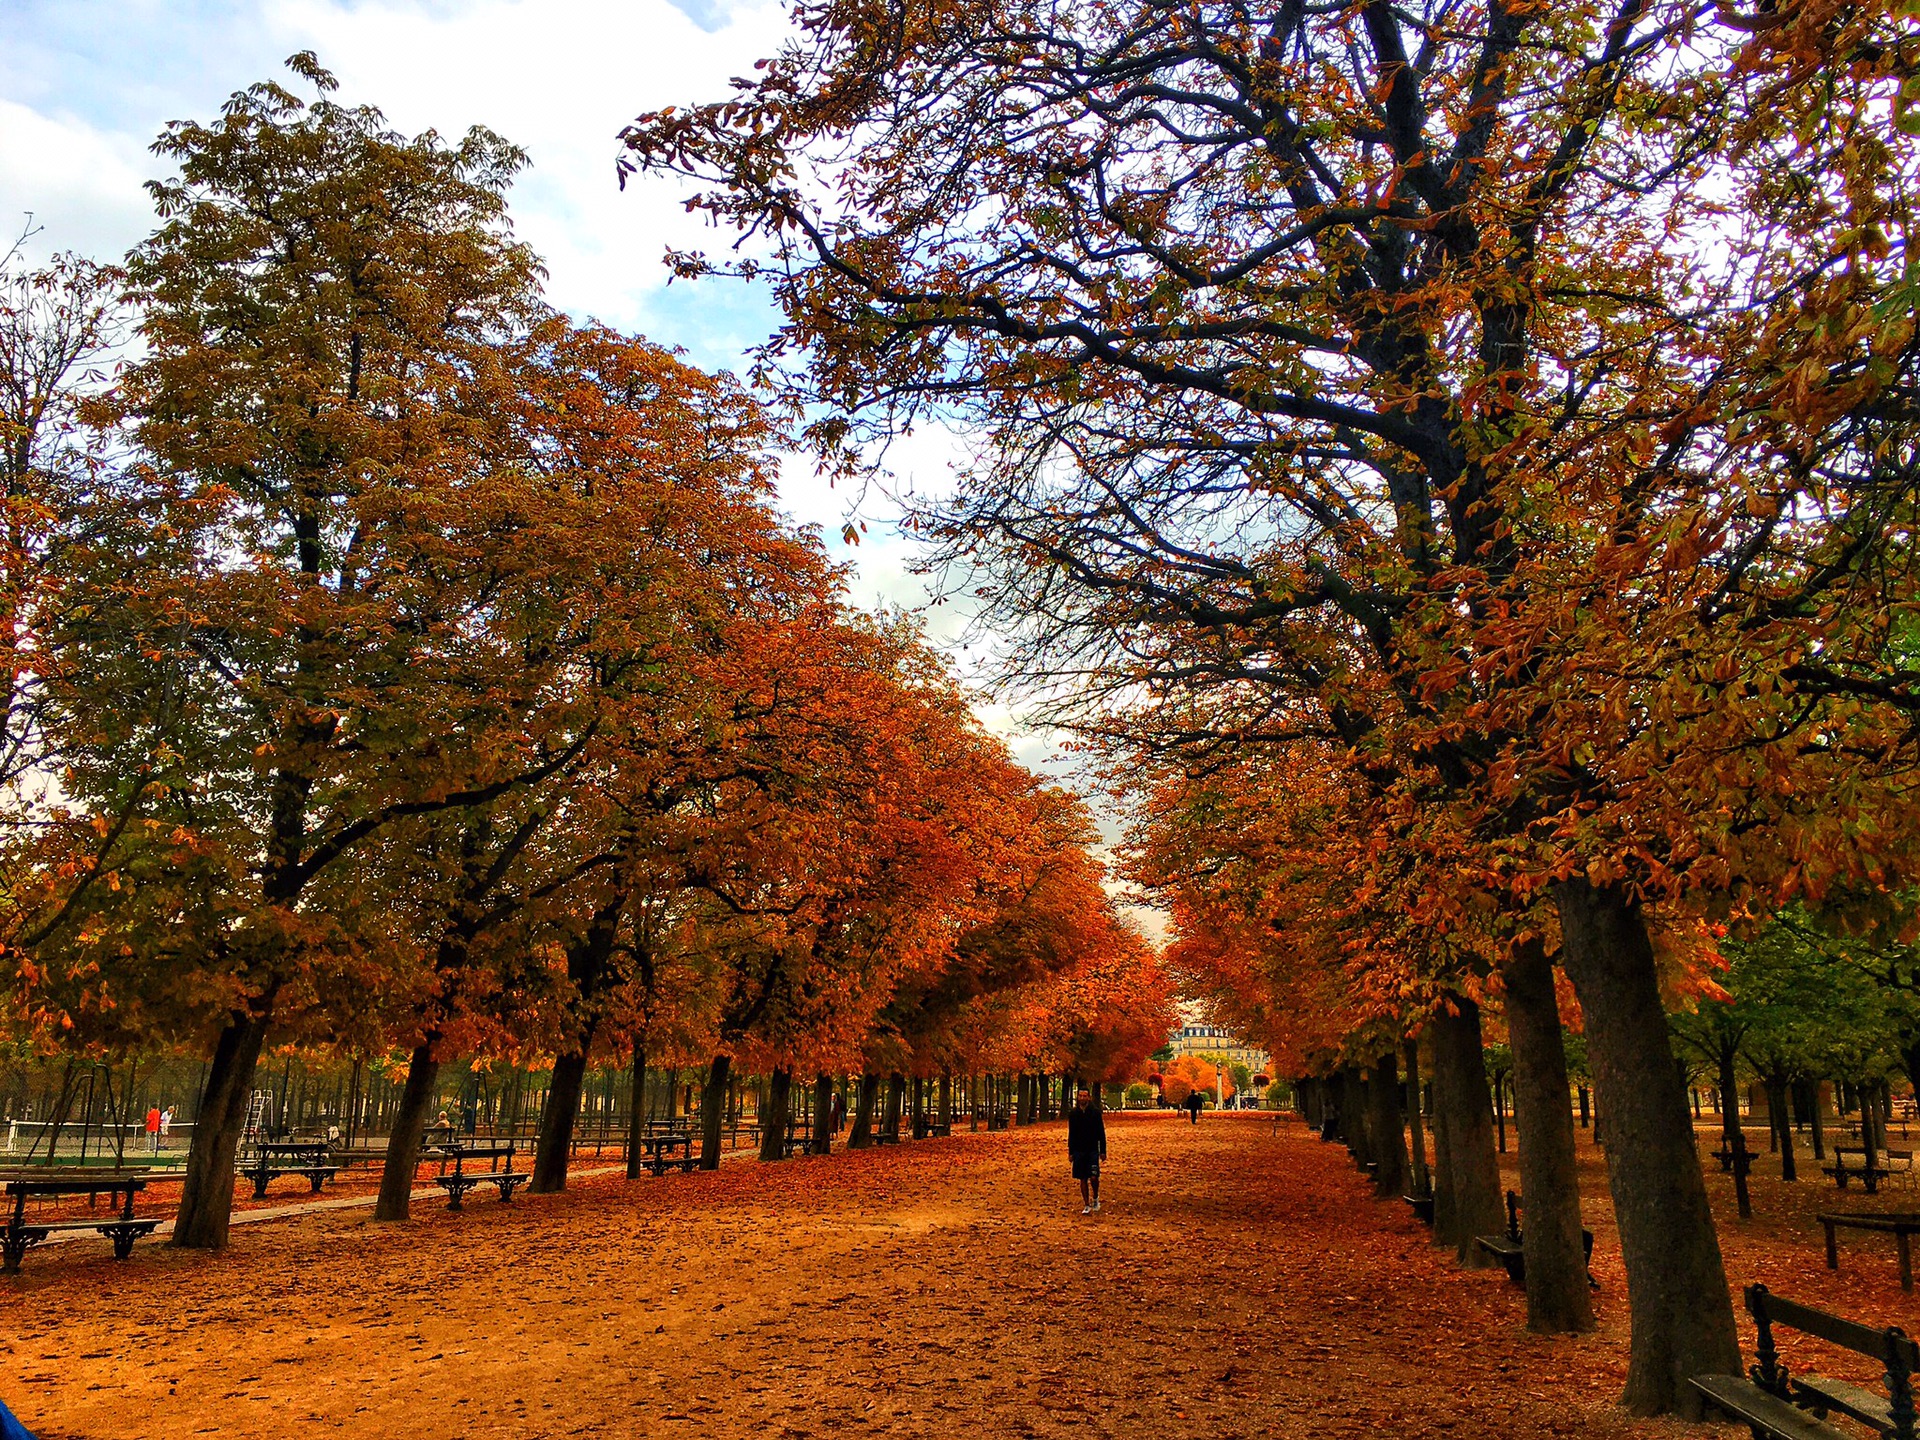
[
  {"x": 123, "y": 1229},
  {"x": 274, "y": 1158},
  {"x": 462, "y": 1180},
  {"x": 658, "y": 1145},
  {"x": 1902, "y": 1225}
]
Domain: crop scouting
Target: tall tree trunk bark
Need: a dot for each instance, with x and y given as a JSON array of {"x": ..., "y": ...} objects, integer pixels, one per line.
[
  {"x": 1462, "y": 1098},
  {"x": 1416, "y": 1134},
  {"x": 1682, "y": 1315},
  {"x": 1558, "y": 1301},
  {"x": 896, "y": 1092},
  {"x": 823, "y": 1115},
  {"x": 1782, "y": 1124},
  {"x": 1732, "y": 1136},
  {"x": 1446, "y": 1223},
  {"x": 409, "y": 1125},
  {"x": 946, "y": 1101},
  {"x": 637, "y": 1115},
  {"x": 862, "y": 1134},
  {"x": 206, "y": 1196},
  {"x": 554, "y": 1146},
  {"x": 773, "y": 1121},
  {"x": 713, "y": 1110},
  {"x": 1353, "y": 1114},
  {"x": 1385, "y": 1134},
  {"x": 1816, "y": 1123}
]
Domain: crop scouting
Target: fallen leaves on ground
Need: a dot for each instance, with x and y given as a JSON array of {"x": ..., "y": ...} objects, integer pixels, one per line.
[{"x": 1240, "y": 1282}]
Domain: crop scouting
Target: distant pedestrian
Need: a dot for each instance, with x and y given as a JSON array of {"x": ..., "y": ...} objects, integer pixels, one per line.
[
  {"x": 153, "y": 1130},
  {"x": 1195, "y": 1100},
  {"x": 166, "y": 1125},
  {"x": 839, "y": 1111},
  {"x": 1086, "y": 1148}
]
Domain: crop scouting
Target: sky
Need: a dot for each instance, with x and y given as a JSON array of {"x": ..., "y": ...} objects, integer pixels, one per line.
[{"x": 86, "y": 85}]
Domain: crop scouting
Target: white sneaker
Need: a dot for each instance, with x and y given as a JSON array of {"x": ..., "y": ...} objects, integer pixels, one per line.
[
  {"x": 1086, "y": 1209},
  {"x": 1096, "y": 1207}
]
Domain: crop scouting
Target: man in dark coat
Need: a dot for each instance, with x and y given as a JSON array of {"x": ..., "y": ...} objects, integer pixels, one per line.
[
  {"x": 1194, "y": 1101},
  {"x": 1086, "y": 1147}
]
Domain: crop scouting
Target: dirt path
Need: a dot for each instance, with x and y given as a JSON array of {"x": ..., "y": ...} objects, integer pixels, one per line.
[{"x": 1238, "y": 1284}]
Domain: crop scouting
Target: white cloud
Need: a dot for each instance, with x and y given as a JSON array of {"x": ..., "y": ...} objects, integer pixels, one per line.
[{"x": 81, "y": 186}]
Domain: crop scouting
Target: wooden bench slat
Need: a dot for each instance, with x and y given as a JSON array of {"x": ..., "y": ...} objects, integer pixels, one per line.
[
  {"x": 1747, "y": 1402},
  {"x": 1838, "y": 1331},
  {"x": 1854, "y": 1401}
]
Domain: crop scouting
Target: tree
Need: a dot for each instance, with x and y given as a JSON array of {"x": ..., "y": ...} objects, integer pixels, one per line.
[
  {"x": 284, "y": 621},
  {"x": 1352, "y": 379}
]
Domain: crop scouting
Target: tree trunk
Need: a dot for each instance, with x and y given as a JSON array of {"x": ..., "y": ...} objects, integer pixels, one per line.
[
  {"x": 1463, "y": 1101},
  {"x": 1446, "y": 1227},
  {"x": 773, "y": 1119},
  {"x": 206, "y": 1196},
  {"x": 1385, "y": 1134},
  {"x": 896, "y": 1092},
  {"x": 1416, "y": 1134},
  {"x": 822, "y": 1115},
  {"x": 1732, "y": 1137},
  {"x": 946, "y": 1101},
  {"x": 1816, "y": 1123},
  {"x": 1353, "y": 1114},
  {"x": 554, "y": 1146},
  {"x": 1558, "y": 1301},
  {"x": 1782, "y": 1125},
  {"x": 637, "y": 1115},
  {"x": 1682, "y": 1315},
  {"x": 409, "y": 1124},
  {"x": 713, "y": 1110},
  {"x": 862, "y": 1135}
]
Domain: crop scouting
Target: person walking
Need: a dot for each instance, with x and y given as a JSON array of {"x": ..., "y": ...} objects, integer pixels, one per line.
[
  {"x": 1086, "y": 1147},
  {"x": 153, "y": 1130},
  {"x": 1195, "y": 1100}
]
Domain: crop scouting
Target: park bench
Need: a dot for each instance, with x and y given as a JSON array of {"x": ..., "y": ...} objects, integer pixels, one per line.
[
  {"x": 1510, "y": 1248},
  {"x": 21, "y": 1234},
  {"x": 1890, "y": 1162},
  {"x": 274, "y": 1158},
  {"x": 462, "y": 1180},
  {"x": 1903, "y": 1226},
  {"x": 660, "y": 1143},
  {"x": 1725, "y": 1156},
  {"x": 1422, "y": 1207},
  {"x": 1772, "y": 1401}
]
